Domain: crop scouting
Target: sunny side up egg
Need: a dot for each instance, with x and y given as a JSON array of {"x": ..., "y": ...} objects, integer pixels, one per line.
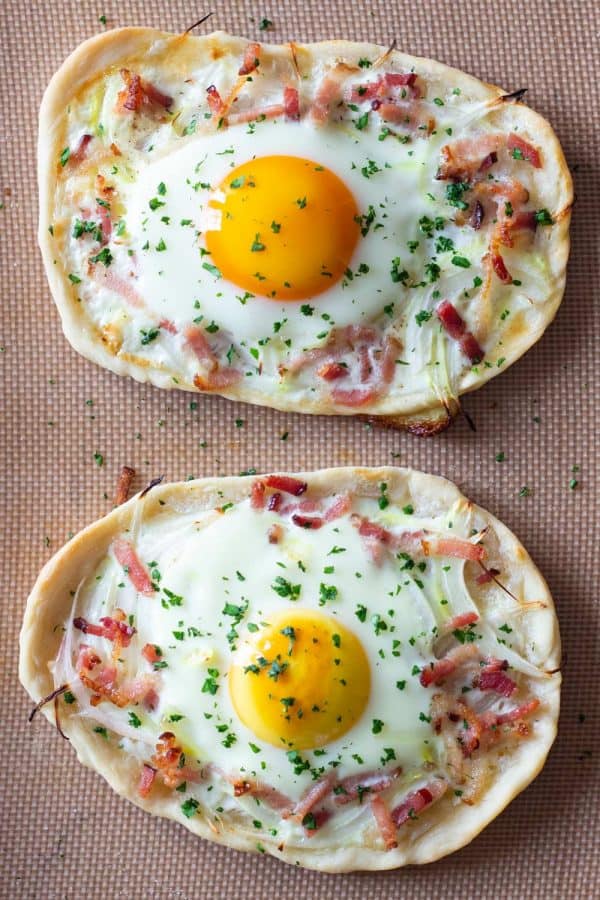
[
  {"x": 321, "y": 666},
  {"x": 329, "y": 228}
]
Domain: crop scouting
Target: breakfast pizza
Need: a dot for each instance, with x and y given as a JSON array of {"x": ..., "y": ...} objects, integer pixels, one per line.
[
  {"x": 324, "y": 228},
  {"x": 346, "y": 669}
]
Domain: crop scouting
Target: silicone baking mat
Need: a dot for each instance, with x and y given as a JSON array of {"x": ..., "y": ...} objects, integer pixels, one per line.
[{"x": 64, "y": 833}]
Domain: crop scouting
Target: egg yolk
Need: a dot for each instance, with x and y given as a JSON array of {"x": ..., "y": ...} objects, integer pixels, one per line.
[
  {"x": 287, "y": 227},
  {"x": 301, "y": 681}
]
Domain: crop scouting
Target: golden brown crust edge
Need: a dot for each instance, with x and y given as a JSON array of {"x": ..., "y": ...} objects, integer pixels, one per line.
[{"x": 450, "y": 829}]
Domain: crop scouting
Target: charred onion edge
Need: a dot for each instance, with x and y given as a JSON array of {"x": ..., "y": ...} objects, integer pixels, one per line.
[
  {"x": 154, "y": 483},
  {"x": 44, "y": 700},
  {"x": 514, "y": 96},
  {"x": 199, "y": 22},
  {"x": 126, "y": 477},
  {"x": 499, "y": 583},
  {"x": 57, "y": 720}
]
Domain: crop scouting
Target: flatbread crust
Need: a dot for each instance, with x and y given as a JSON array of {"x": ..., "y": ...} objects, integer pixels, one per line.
[
  {"x": 445, "y": 828},
  {"x": 421, "y": 412}
]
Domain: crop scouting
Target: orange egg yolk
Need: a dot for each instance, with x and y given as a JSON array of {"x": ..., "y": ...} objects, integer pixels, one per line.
[
  {"x": 287, "y": 227},
  {"x": 301, "y": 681}
]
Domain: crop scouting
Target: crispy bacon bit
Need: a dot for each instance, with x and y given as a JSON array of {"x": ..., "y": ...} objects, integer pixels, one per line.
[
  {"x": 309, "y": 522},
  {"x": 527, "y": 150},
  {"x": 330, "y": 371},
  {"x": 454, "y": 547},
  {"x": 214, "y": 100},
  {"x": 328, "y": 93},
  {"x": 109, "y": 628},
  {"x": 169, "y": 760},
  {"x": 417, "y": 801},
  {"x": 217, "y": 377},
  {"x": 79, "y": 154},
  {"x": 492, "y": 678},
  {"x": 127, "y": 557},
  {"x": 338, "y": 508},
  {"x": 218, "y": 380},
  {"x": 291, "y": 103},
  {"x": 251, "y": 59},
  {"x": 465, "y": 159},
  {"x": 456, "y": 328},
  {"x": 491, "y": 720},
  {"x": 151, "y": 654},
  {"x": 286, "y": 483},
  {"x": 87, "y": 658},
  {"x": 275, "y": 533},
  {"x": 102, "y": 686},
  {"x": 137, "y": 91},
  {"x": 355, "y": 786},
  {"x": 385, "y": 823},
  {"x": 487, "y": 576},
  {"x": 315, "y": 793},
  {"x": 439, "y": 670},
  {"x": 147, "y": 776},
  {"x": 124, "y": 485},
  {"x": 269, "y": 795}
]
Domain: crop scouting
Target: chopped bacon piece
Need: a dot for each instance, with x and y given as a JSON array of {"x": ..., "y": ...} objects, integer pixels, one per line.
[
  {"x": 309, "y": 522},
  {"x": 439, "y": 670},
  {"x": 274, "y": 502},
  {"x": 274, "y": 534},
  {"x": 461, "y": 621},
  {"x": 456, "y": 328},
  {"x": 251, "y": 59},
  {"x": 103, "y": 213},
  {"x": 450, "y": 319},
  {"x": 454, "y": 547},
  {"x": 137, "y": 91},
  {"x": 217, "y": 380},
  {"x": 217, "y": 377},
  {"x": 124, "y": 485},
  {"x": 464, "y": 159},
  {"x": 170, "y": 761},
  {"x": 112, "y": 282},
  {"x": 127, "y": 557},
  {"x": 291, "y": 103},
  {"x": 167, "y": 325},
  {"x": 315, "y": 793},
  {"x": 491, "y": 719},
  {"x": 400, "y": 79},
  {"x": 328, "y": 93},
  {"x": 257, "y": 495},
  {"x": 314, "y": 821},
  {"x": 103, "y": 687},
  {"x": 109, "y": 628},
  {"x": 330, "y": 371},
  {"x": 385, "y": 823},
  {"x": 259, "y": 112},
  {"x": 286, "y": 483},
  {"x": 151, "y": 654},
  {"x": 492, "y": 678},
  {"x": 417, "y": 801},
  {"x": 197, "y": 340},
  {"x": 366, "y": 528},
  {"x": 487, "y": 576},
  {"x": 500, "y": 268},
  {"x": 354, "y": 396},
  {"x": 477, "y": 216},
  {"x": 77, "y": 155},
  {"x": 88, "y": 658},
  {"x": 214, "y": 100},
  {"x": 354, "y": 786},
  {"x": 396, "y": 112},
  {"x": 269, "y": 795},
  {"x": 527, "y": 150},
  {"x": 339, "y": 507},
  {"x": 147, "y": 776}
]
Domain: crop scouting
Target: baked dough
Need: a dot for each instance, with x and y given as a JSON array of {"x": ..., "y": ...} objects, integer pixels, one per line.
[
  {"x": 466, "y": 270},
  {"x": 490, "y": 605}
]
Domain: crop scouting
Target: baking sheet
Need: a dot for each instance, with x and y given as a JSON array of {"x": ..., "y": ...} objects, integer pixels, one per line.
[{"x": 64, "y": 834}]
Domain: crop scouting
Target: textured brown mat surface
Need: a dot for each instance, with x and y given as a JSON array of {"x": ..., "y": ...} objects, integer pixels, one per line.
[{"x": 63, "y": 832}]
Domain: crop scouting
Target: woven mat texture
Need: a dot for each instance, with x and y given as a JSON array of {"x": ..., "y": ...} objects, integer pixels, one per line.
[{"x": 63, "y": 833}]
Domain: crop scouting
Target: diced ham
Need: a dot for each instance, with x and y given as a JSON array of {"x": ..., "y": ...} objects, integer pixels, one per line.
[
  {"x": 251, "y": 59},
  {"x": 527, "y": 150},
  {"x": 384, "y": 821},
  {"x": 416, "y": 801},
  {"x": 355, "y": 786},
  {"x": 453, "y": 547},
  {"x": 286, "y": 483},
  {"x": 127, "y": 557},
  {"x": 315, "y": 793},
  {"x": 147, "y": 776},
  {"x": 436, "y": 672}
]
